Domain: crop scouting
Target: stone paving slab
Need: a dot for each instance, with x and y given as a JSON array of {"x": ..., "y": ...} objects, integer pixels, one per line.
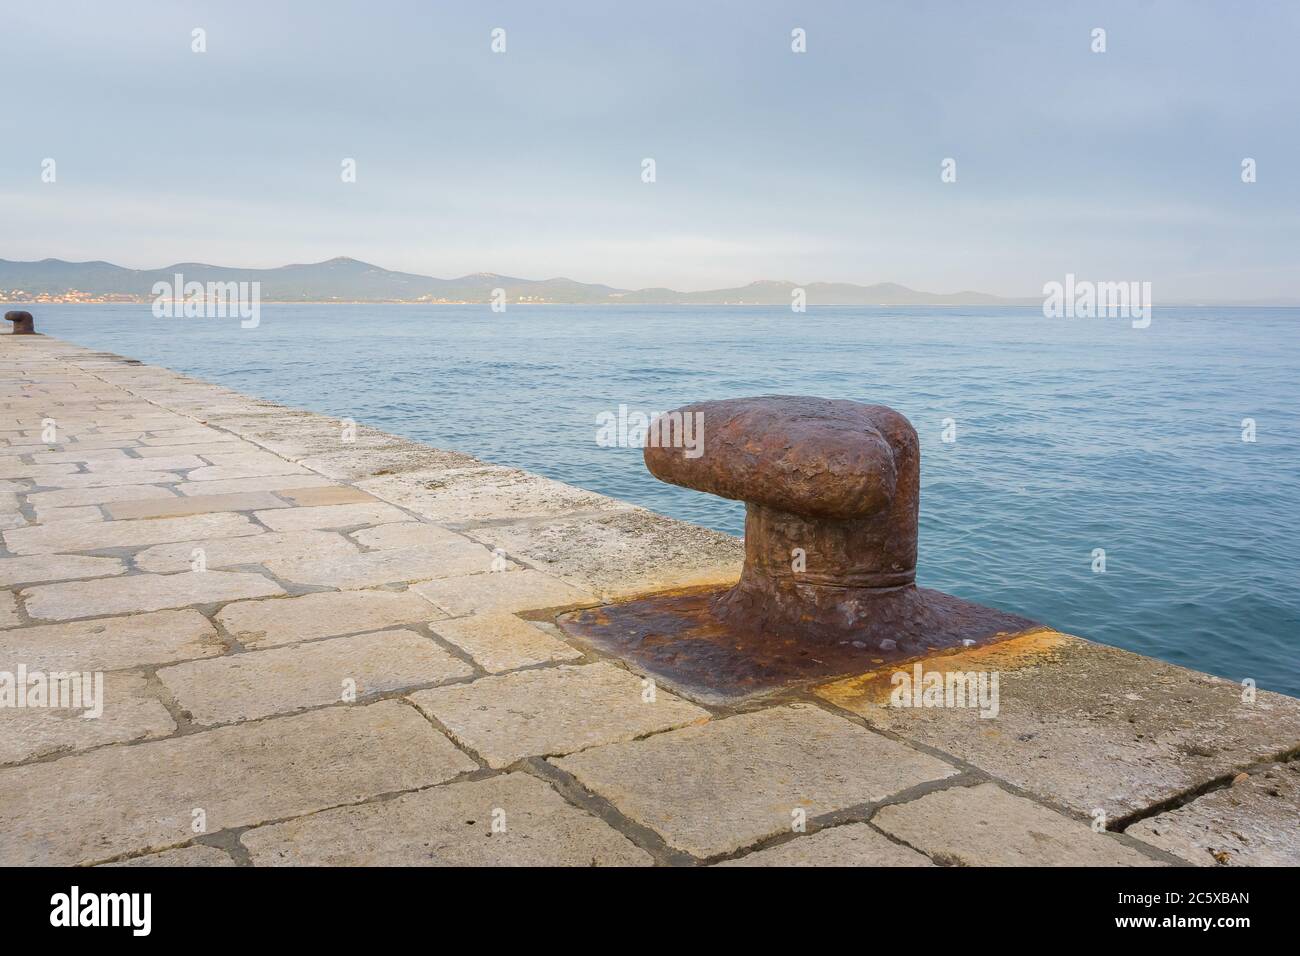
[
  {"x": 142, "y": 592},
  {"x": 450, "y": 825},
  {"x": 986, "y": 826},
  {"x": 1146, "y": 731},
  {"x": 111, "y": 643},
  {"x": 509, "y": 591},
  {"x": 406, "y": 534},
  {"x": 128, "y": 799},
  {"x": 227, "y": 473},
  {"x": 79, "y": 515},
  {"x": 252, "y": 549},
  {"x": 331, "y": 516},
  {"x": 855, "y": 844},
  {"x": 485, "y": 493},
  {"x": 154, "y": 450},
  {"x": 622, "y": 554},
  {"x": 1253, "y": 822},
  {"x": 130, "y": 711},
  {"x": 36, "y": 568},
  {"x": 552, "y": 711},
  {"x": 197, "y": 855},
  {"x": 125, "y": 534},
  {"x": 82, "y": 497},
  {"x": 327, "y": 614},
  {"x": 394, "y": 456},
  {"x": 284, "y": 679},
  {"x": 112, "y": 479},
  {"x": 232, "y": 486},
  {"x": 170, "y": 463},
  {"x": 326, "y": 495},
  {"x": 395, "y": 566},
  {"x": 193, "y": 505},
  {"x": 501, "y": 642},
  {"x": 722, "y": 786}
]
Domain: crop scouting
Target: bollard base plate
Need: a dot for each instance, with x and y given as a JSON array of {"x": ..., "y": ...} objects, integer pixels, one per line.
[{"x": 679, "y": 639}]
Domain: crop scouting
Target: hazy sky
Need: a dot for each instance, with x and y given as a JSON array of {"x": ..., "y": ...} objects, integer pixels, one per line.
[{"x": 770, "y": 164}]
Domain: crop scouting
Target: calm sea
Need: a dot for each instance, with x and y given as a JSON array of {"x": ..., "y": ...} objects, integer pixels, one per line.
[{"x": 1071, "y": 435}]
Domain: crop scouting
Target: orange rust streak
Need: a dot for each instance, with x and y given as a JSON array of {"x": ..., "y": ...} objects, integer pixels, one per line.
[{"x": 1030, "y": 649}]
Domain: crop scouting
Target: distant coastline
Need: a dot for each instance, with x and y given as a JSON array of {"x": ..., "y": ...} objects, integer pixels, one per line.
[{"x": 344, "y": 281}]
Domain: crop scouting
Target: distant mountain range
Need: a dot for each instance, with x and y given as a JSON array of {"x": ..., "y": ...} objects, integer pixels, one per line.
[{"x": 349, "y": 280}]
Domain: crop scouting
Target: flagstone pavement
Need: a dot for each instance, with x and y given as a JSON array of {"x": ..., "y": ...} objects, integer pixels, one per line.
[{"x": 322, "y": 644}]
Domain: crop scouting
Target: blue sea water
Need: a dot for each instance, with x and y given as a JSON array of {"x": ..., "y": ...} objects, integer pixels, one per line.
[{"x": 1071, "y": 435}]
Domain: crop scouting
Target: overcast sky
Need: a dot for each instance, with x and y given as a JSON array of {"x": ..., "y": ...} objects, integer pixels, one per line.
[{"x": 770, "y": 164}]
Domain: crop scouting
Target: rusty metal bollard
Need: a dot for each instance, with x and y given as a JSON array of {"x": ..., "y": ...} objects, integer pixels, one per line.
[
  {"x": 828, "y": 587},
  {"x": 831, "y": 492},
  {"x": 23, "y": 323}
]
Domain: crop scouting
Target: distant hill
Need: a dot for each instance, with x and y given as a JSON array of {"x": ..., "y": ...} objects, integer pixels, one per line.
[{"x": 349, "y": 280}]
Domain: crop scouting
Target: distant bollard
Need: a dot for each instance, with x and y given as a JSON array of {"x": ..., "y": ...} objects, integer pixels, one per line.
[{"x": 23, "y": 324}]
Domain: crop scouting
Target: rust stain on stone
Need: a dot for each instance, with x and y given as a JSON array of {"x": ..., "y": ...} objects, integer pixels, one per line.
[{"x": 1032, "y": 649}]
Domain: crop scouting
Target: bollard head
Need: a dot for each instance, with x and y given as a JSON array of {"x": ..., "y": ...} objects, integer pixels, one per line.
[
  {"x": 816, "y": 457},
  {"x": 837, "y": 481},
  {"x": 23, "y": 323}
]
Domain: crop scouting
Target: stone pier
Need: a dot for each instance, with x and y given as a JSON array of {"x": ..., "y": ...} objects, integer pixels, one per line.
[{"x": 327, "y": 645}]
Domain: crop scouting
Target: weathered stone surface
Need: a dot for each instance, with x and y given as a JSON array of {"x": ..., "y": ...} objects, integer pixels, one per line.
[
  {"x": 197, "y": 855},
  {"x": 395, "y": 566},
  {"x": 395, "y": 455},
  {"x": 9, "y": 610},
  {"x": 449, "y": 826},
  {"x": 142, "y": 592},
  {"x": 233, "y": 486},
  {"x": 81, "y": 497},
  {"x": 15, "y": 468},
  {"x": 193, "y": 505},
  {"x": 502, "y": 642},
  {"x": 510, "y": 591},
  {"x": 1254, "y": 822},
  {"x": 35, "y": 568},
  {"x": 126, "y": 534},
  {"x": 157, "y": 463},
  {"x": 228, "y": 473},
  {"x": 142, "y": 797},
  {"x": 130, "y": 712},
  {"x": 325, "y": 546},
  {"x": 330, "y": 516},
  {"x": 406, "y": 534},
  {"x": 110, "y": 479},
  {"x": 284, "y": 679},
  {"x": 193, "y": 448},
  {"x": 327, "y": 614},
  {"x": 719, "y": 787},
  {"x": 264, "y": 462},
  {"x": 986, "y": 826},
  {"x": 191, "y": 436},
  {"x": 329, "y": 495},
  {"x": 478, "y": 494},
  {"x": 78, "y": 455},
  {"x": 556, "y": 710},
  {"x": 1088, "y": 726},
  {"x": 855, "y": 844},
  {"x": 112, "y": 643},
  {"x": 622, "y": 553},
  {"x": 80, "y": 515}
]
